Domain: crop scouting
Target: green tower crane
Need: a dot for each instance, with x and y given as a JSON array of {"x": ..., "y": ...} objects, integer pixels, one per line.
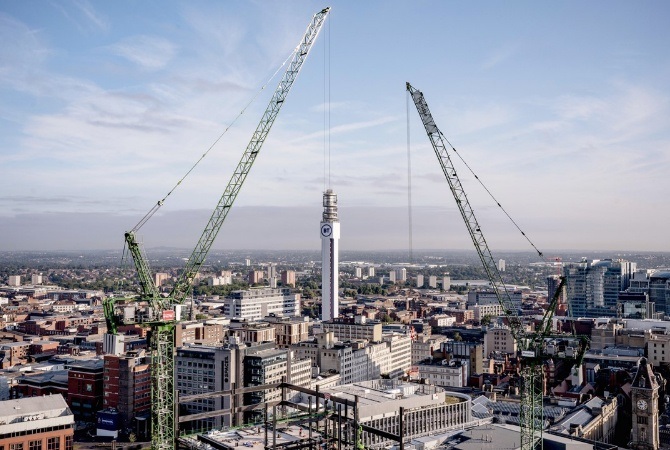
[
  {"x": 161, "y": 313},
  {"x": 535, "y": 347}
]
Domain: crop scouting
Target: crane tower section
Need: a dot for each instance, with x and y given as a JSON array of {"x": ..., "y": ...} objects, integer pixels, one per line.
[{"x": 162, "y": 313}]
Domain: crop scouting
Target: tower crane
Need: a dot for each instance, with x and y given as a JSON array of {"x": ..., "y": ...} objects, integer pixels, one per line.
[
  {"x": 160, "y": 313},
  {"x": 534, "y": 347}
]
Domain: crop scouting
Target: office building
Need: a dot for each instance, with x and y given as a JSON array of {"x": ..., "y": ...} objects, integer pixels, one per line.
[
  {"x": 593, "y": 287},
  {"x": 36, "y": 423},
  {"x": 355, "y": 328},
  {"x": 85, "y": 392},
  {"x": 330, "y": 236},
  {"x": 659, "y": 290},
  {"x": 257, "y": 303},
  {"x": 127, "y": 389},
  {"x": 203, "y": 369},
  {"x": 289, "y": 330}
]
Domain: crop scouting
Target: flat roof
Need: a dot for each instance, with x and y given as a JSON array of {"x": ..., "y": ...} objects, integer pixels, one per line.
[{"x": 30, "y": 413}]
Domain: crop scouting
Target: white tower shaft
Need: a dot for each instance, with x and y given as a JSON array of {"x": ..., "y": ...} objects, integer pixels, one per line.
[{"x": 330, "y": 236}]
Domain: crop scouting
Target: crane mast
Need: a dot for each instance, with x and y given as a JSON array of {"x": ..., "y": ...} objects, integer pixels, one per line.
[
  {"x": 532, "y": 346},
  {"x": 160, "y": 315}
]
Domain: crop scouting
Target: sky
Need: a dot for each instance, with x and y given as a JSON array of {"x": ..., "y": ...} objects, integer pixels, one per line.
[{"x": 562, "y": 109}]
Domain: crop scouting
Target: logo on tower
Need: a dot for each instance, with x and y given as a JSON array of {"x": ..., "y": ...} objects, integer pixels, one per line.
[{"x": 326, "y": 230}]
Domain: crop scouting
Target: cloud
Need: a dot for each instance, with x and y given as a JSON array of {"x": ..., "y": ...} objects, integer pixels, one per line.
[
  {"x": 93, "y": 17},
  {"x": 348, "y": 127},
  {"x": 501, "y": 55},
  {"x": 148, "y": 52},
  {"x": 83, "y": 16}
]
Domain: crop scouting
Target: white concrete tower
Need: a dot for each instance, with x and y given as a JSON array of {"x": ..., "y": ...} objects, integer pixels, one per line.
[{"x": 330, "y": 235}]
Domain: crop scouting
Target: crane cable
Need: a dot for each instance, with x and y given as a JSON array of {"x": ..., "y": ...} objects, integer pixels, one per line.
[
  {"x": 158, "y": 204},
  {"x": 540, "y": 254}
]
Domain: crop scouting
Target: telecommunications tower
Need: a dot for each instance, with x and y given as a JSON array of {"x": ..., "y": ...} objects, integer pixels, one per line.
[{"x": 330, "y": 235}]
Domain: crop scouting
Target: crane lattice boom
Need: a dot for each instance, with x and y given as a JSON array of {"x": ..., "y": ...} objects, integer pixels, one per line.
[
  {"x": 533, "y": 347},
  {"x": 159, "y": 312}
]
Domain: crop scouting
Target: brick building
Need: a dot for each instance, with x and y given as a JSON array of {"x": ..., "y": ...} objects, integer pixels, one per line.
[{"x": 85, "y": 391}]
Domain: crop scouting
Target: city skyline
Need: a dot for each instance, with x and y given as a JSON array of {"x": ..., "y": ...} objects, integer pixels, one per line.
[{"x": 562, "y": 111}]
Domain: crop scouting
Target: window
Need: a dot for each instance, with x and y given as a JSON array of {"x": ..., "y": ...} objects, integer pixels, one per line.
[
  {"x": 53, "y": 443},
  {"x": 642, "y": 420},
  {"x": 68, "y": 442},
  {"x": 18, "y": 446},
  {"x": 35, "y": 445}
]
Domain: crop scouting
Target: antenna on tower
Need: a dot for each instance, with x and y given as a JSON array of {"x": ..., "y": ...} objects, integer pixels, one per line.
[
  {"x": 409, "y": 186},
  {"x": 326, "y": 111}
]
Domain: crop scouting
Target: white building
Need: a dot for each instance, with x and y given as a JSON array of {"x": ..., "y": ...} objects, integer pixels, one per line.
[
  {"x": 432, "y": 281},
  {"x": 36, "y": 279},
  {"x": 257, "y": 303},
  {"x": 14, "y": 280},
  {"x": 419, "y": 281},
  {"x": 401, "y": 275},
  {"x": 443, "y": 372},
  {"x": 501, "y": 265},
  {"x": 371, "y": 271},
  {"x": 446, "y": 283},
  {"x": 330, "y": 236}
]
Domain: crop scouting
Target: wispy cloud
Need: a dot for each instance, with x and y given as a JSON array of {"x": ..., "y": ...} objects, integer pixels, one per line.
[
  {"x": 499, "y": 56},
  {"x": 93, "y": 17},
  {"x": 83, "y": 16},
  {"x": 349, "y": 127},
  {"x": 148, "y": 52}
]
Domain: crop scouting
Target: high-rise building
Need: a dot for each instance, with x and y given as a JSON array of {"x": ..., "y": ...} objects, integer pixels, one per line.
[
  {"x": 127, "y": 389},
  {"x": 401, "y": 275},
  {"x": 272, "y": 270},
  {"x": 330, "y": 236},
  {"x": 255, "y": 277},
  {"x": 37, "y": 279},
  {"x": 659, "y": 290},
  {"x": 419, "y": 281},
  {"x": 160, "y": 278},
  {"x": 288, "y": 278},
  {"x": 371, "y": 271},
  {"x": 501, "y": 265},
  {"x": 14, "y": 280},
  {"x": 593, "y": 287},
  {"x": 358, "y": 272},
  {"x": 432, "y": 281},
  {"x": 446, "y": 283}
]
